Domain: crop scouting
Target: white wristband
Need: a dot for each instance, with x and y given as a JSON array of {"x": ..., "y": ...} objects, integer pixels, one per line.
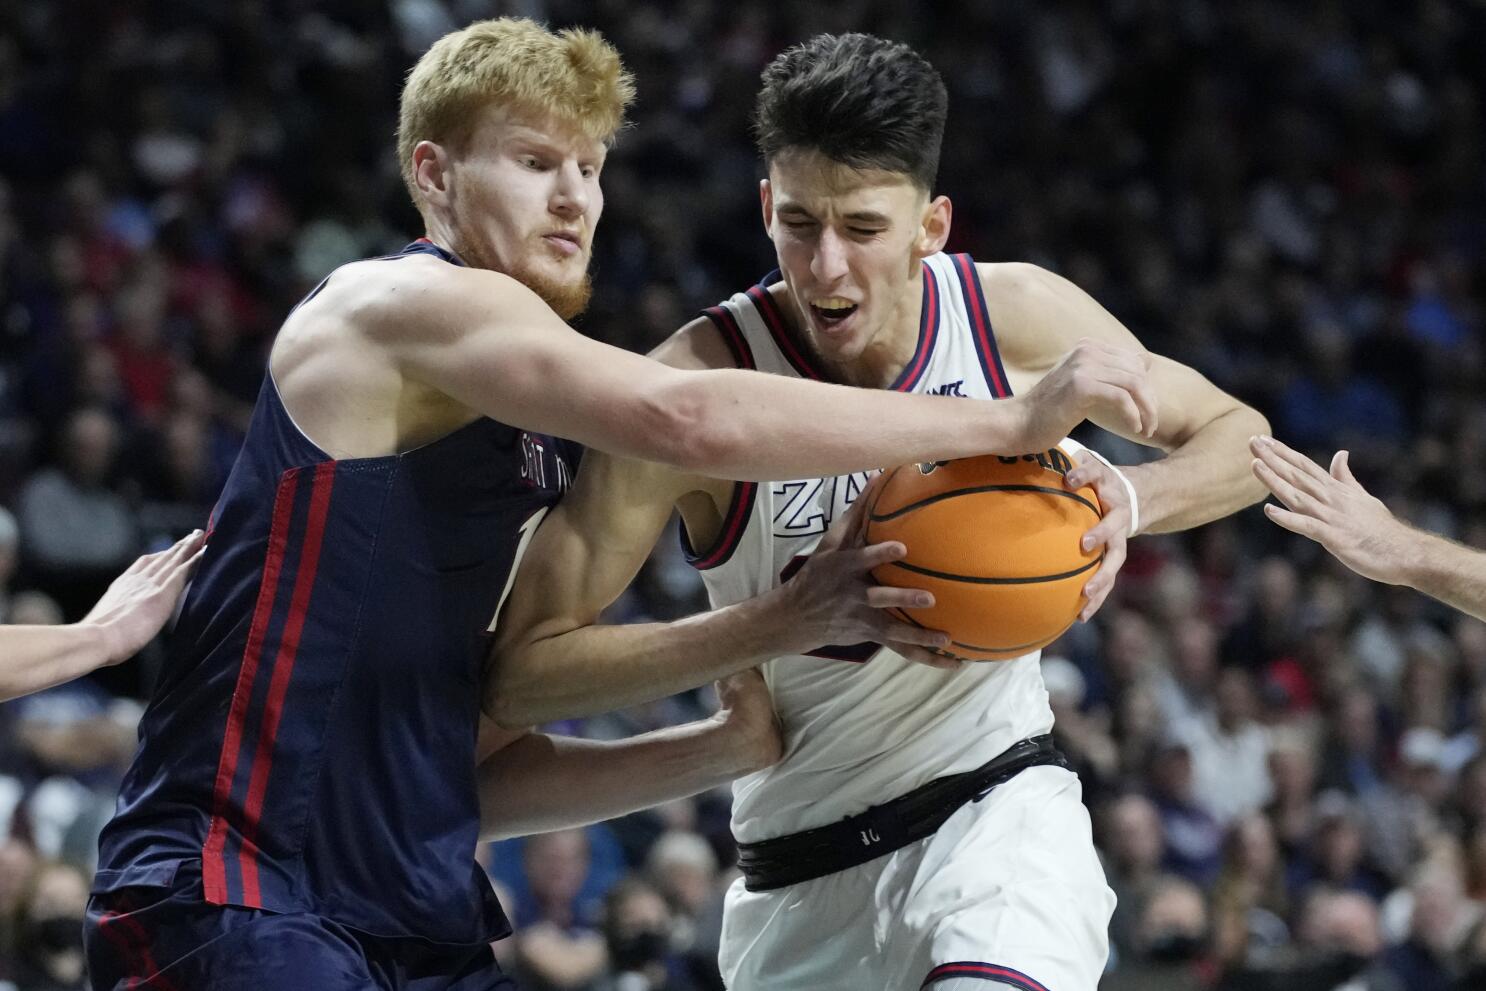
[{"x": 1073, "y": 447}]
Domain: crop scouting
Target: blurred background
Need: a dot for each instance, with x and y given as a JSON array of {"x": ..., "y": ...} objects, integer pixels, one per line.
[{"x": 1284, "y": 762}]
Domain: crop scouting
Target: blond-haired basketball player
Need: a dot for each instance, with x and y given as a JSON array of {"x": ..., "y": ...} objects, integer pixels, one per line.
[
  {"x": 304, "y": 806},
  {"x": 919, "y": 829}
]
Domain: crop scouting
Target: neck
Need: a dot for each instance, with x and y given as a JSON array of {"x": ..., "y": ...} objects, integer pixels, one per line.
[{"x": 887, "y": 354}]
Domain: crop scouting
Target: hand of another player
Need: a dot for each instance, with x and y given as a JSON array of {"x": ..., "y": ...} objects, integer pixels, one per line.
[
  {"x": 833, "y": 599},
  {"x": 1110, "y": 533},
  {"x": 746, "y": 714},
  {"x": 1094, "y": 381},
  {"x": 1332, "y": 509},
  {"x": 141, "y": 600}
]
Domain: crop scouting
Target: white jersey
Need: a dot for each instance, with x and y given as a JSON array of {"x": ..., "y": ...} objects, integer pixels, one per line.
[{"x": 862, "y": 725}]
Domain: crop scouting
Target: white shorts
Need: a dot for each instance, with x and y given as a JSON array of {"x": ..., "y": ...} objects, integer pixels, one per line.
[{"x": 1009, "y": 890}]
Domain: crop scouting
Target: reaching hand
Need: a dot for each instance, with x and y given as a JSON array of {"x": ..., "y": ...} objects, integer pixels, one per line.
[
  {"x": 140, "y": 601},
  {"x": 746, "y": 711},
  {"x": 833, "y": 599},
  {"x": 1111, "y": 532},
  {"x": 1332, "y": 509},
  {"x": 1093, "y": 381}
]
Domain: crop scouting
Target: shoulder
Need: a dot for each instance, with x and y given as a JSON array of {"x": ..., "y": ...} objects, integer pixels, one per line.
[
  {"x": 1039, "y": 315},
  {"x": 698, "y": 345},
  {"x": 382, "y": 298},
  {"x": 1015, "y": 285}
]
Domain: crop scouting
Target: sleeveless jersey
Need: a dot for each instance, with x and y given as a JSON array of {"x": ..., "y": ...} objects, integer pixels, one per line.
[
  {"x": 311, "y": 739},
  {"x": 862, "y": 725}
]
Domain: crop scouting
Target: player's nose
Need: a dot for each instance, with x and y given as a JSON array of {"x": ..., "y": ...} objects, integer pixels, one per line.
[
  {"x": 828, "y": 264},
  {"x": 570, "y": 195}
]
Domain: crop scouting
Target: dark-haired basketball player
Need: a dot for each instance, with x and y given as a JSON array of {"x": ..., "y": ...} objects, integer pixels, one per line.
[{"x": 876, "y": 854}]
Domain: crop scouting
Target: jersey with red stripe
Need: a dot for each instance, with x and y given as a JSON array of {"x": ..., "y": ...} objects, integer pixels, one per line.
[
  {"x": 311, "y": 739},
  {"x": 861, "y": 724}
]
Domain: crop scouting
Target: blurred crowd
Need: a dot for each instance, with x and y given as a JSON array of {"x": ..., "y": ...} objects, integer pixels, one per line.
[{"x": 1284, "y": 763}]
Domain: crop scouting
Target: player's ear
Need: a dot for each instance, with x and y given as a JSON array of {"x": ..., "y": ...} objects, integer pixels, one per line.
[
  {"x": 933, "y": 231},
  {"x": 431, "y": 172},
  {"x": 766, "y": 201}
]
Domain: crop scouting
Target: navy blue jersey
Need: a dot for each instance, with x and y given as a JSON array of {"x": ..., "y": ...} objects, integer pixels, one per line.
[{"x": 311, "y": 740}]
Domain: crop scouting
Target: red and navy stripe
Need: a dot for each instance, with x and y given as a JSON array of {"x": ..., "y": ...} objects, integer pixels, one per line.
[
  {"x": 983, "y": 972},
  {"x": 980, "y": 326},
  {"x": 928, "y": 333},
  {"x": 727, "y": 325},
  {"x": 230, "y": 855},
  {"x": 800, "y": 360},
  {"x": 131, "y": 943},
  {"x": 734, "y": 523},
  {"x": 764, "y": 302}
]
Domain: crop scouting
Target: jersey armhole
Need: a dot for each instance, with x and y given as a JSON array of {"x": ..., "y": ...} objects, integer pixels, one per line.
[{"x": 740, "y": 507}]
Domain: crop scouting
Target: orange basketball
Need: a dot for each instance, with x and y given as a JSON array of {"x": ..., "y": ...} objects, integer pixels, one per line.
[{"x": 997, "y": 542}]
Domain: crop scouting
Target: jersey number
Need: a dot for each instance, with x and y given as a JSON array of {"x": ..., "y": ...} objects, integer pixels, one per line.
[{"x": 527, "y": 530}]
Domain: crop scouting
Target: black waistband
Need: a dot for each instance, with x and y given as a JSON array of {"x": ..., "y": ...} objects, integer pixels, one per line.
[{"x": 880, "y": 830}]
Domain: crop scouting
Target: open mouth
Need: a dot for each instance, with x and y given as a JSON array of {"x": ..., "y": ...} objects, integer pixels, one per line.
[{"x": 831, "y": 312}]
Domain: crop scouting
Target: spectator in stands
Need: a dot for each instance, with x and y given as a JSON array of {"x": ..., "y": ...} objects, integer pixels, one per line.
[
  {"x": 1135, "y": 847},
  {"x": 1171, "y": 941},
  {"x": 638, "y": 933},
  {"x": 1230, "y": 751},
  {"x": 76, "y": 533},
  {"x": 558, "y": 944},
  {"x": 49, "y": 930}
]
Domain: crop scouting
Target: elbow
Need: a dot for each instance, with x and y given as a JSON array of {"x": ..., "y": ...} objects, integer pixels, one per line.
[{"x": 509, "y": 701}]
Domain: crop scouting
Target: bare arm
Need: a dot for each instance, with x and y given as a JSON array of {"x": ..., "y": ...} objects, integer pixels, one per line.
[
  {"x": 534, "y": 783},
  {"x": 1204, "y": 430},
  {"x": 489, "y": 343},
  {"x": 552, "y": 662},
  {"x": 1334, "y": 510},
  {"x": 134, "y": 609}
]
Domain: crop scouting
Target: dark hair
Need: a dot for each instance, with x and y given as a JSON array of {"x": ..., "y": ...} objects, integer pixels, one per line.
[{"x": 859, "y": 100}]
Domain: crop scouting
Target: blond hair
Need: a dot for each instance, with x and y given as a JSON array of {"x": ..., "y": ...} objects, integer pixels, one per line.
[{"x": 574, "y": 75}]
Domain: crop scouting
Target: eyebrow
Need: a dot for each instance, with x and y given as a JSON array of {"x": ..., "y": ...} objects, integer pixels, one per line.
[{"x": 858, "y": 216}]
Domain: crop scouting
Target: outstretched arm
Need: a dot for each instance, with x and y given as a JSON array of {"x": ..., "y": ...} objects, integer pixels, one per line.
[
  {"x": 534, "y": 783},
  {"x": 1334, "y": 510},
  {"x": 130, "y": 613},
  {"x": 489, "y": 343},
  {"x": 1204, "y": 430}
]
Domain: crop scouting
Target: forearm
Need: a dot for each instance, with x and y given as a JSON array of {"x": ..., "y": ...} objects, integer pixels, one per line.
[
  {"x": 1205, "y": 478},
  {"x": 542, "y": 783},
  {"x": 762, "y": 427},
  {"x": 37, "y": 657},
  {"x": 1443, "y": 569},
  {"x": 601, "y": 668}
]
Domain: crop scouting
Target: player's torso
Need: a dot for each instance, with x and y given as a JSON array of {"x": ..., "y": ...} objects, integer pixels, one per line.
[
  {"x": 325, "y": 673},
  {"x": 862, "y": 725}
]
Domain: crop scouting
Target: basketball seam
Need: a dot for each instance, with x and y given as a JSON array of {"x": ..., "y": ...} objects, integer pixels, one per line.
[
  {"x": 941, "y": 496},
  {"x": 971, "y": 646},
  {"x": 978, "y": 580}
]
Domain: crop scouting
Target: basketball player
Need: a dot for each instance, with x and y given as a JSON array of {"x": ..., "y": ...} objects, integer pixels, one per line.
[
  {"x": 1334, "y": 510},
  {"x": 304, "y": 806},
  {"x": 919, "y": 830},
  {"x": 135, "y": 607}
]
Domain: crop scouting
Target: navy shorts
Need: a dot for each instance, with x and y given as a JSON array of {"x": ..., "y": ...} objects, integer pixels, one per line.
[{"x": 172, "y": 939}]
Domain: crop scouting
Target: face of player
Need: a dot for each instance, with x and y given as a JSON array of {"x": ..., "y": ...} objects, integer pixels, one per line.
[
  {"x": 523, "y": 198},
  {"x": 849, "y": 243}
]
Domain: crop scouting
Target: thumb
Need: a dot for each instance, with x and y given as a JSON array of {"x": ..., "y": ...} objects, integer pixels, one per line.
[
  {"x": 1340, "y": 469},
  {"x": 852, "y": 524}
]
